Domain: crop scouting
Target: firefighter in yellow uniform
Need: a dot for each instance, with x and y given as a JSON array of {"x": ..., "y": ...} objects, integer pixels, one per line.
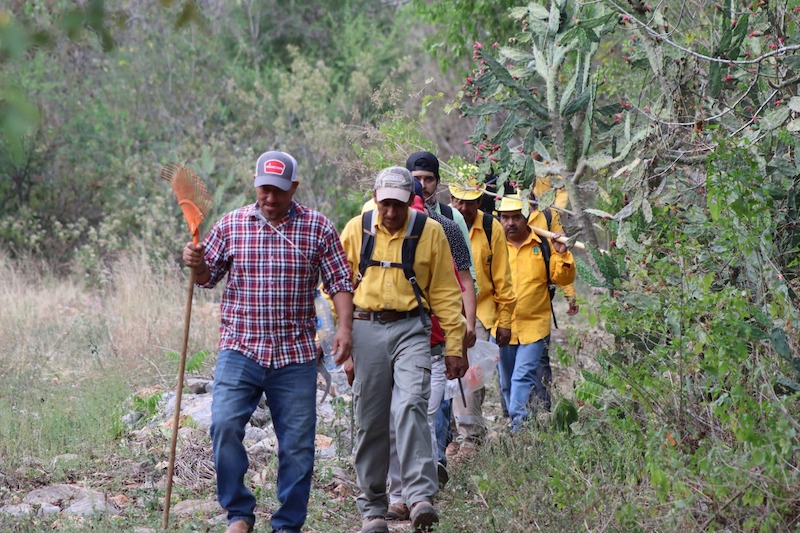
[
  {"x": 496, "y": 302},
  {"x": 390, "y": 367},
  {"x": 538, "y": 219},
  {"x": 530, "y": 330}
]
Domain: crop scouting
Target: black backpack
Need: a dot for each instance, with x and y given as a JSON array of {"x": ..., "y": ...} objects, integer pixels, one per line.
[
  {"x": 410, "y": 241},
  {"x": 551, "y": 287}
]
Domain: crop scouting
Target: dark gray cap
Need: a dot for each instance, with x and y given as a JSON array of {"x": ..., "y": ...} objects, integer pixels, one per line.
[{"x": 278, "y": 169}]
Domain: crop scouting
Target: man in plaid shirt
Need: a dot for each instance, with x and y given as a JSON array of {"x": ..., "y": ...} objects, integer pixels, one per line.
[{"x": 274, "y": 253}]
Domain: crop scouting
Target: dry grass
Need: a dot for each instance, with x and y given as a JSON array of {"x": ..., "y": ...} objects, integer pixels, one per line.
[
  {"x": 37, "y": 316},
  {"x": 71, "y": 352},
  {"x": 64, "y": 331},
  {"x": 144, "y": 306}
]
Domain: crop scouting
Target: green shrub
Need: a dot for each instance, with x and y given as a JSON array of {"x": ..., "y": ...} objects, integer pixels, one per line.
[{"x": 702, "y": 366}]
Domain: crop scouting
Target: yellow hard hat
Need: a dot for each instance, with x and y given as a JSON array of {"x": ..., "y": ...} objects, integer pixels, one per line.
[
  {"x": 466, "y": 185},
  {"x": 512, "y": 202},
  {"x": 463, "y": 192}
]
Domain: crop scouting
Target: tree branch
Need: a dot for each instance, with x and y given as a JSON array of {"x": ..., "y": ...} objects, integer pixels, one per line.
[{"x": 663, "y": 37}]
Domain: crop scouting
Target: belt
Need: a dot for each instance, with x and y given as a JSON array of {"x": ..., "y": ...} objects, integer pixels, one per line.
[{"x": 384, "y": 316}]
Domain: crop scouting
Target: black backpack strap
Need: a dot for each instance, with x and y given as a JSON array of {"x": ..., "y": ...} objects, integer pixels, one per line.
[
  {"x": 548, "y": 216},
  {"x": 487, "y": 229},
  {"x": 409, "y": 250},
  {"x": 446, "y": 210},
  {"x": 551, "y": 287},
  {"x": 367, "y": 244}
]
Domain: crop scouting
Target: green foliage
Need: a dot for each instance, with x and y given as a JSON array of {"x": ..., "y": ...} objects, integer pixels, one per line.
[
  {"x": 610, "y": 267},
  {"x": 194, "y": 363},
  {"x": 459, "y": 23},
  {"x": 147, "y": 405},
  {"x": 564, "y": 414},
  {"x": 553, "y": 480},
  {"x": 39, "y": 418},
  {"x": 84, "y": 129},
  {"x": 390, "y": 143},
  {"x": 702, "y": 364},
  {"x": 535, "y": 101}
]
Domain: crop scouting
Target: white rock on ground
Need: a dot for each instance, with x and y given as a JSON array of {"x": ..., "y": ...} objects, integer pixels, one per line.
[{"x": 70, "y": 499}]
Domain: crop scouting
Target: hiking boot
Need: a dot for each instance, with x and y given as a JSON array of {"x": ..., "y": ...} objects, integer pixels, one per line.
[
  {"x": 441, "y": 472},
  {"x": 374, "y": 524},
  {"x": 465, "y": 453},
  {"x": 451, "y": 450},
  {"x": 239, "y": 526},
  {"x": 423, "y": 517},
  {"x": 397, "y": 511}
]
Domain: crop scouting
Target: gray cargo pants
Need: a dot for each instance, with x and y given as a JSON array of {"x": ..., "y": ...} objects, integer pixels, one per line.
[{"x": 392, "y": 374}]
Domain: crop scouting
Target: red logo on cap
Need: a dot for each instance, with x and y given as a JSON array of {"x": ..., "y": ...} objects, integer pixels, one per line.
[{"x": 274, "y": 166}]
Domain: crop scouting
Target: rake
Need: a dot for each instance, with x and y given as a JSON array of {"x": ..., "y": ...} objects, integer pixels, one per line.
[{"x": 195, "y": 202}]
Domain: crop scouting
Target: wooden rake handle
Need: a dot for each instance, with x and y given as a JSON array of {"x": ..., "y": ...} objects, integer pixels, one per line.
[{"x": 176, "y": 419}]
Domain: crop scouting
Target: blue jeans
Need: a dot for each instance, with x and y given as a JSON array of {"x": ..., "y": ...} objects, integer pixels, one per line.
[
  {"x": 517, "y": 369},
  {"x": 291, "y": 394}
]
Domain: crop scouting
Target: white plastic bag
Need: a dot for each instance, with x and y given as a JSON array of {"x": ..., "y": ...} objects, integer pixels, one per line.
[{"x": 483, "y": 358}]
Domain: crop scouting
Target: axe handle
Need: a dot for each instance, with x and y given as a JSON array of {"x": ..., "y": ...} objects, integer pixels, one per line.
[{"x": 549, "y": 234}]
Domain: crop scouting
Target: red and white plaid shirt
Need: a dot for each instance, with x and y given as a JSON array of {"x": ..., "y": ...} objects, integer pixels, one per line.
[{"x": 268, "y": 305}]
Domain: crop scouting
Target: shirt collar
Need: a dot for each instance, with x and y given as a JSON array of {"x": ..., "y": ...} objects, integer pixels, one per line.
[
  {"x": 294, "y": 210},
  {"x": 376, "y": 223},
  {"x": 533, "y": 237}
]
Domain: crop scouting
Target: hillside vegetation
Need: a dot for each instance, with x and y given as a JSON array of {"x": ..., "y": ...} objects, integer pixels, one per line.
[{"x": 673, "y": 127}]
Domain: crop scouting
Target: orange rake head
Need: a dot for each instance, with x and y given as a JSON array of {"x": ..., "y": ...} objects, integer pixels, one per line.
[{"x": 192, "y": 195}]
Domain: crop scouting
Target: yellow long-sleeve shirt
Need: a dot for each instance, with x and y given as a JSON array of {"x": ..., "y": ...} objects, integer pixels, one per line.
[
  {"x": 537, "y": 219},
  {"x": 544, "y": 184},
  {"x": 388, "y": 289},
  {"x": 531, "y": 320},
  {"x": 495, "y": 293}
]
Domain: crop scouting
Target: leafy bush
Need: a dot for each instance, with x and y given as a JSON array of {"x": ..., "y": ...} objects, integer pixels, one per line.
[{"x": 705, "y": 363}]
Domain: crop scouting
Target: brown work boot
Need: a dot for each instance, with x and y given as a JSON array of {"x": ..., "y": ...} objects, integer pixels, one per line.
[
  {"x": 451, "y": 450},
  {"x": 423, "y": 517},
  {"x": 397, "y": 511},
  {"x": 374, "y": 524},
  {"x": 239, "y": 526},
  {"x": 466, "y": 453}
]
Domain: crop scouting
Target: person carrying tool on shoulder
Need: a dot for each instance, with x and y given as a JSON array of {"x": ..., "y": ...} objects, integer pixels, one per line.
[
  {"x": 536, "y": 264},
  {"x": 496, "y": 301}
]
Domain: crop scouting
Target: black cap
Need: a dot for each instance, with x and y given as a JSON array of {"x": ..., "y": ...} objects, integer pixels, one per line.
[{"x": 423, "y": 161}]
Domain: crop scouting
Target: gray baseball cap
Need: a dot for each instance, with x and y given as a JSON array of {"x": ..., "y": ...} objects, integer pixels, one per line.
[
  {"x": 278, "y": 169},
  {"x": 394, "y": 183}
]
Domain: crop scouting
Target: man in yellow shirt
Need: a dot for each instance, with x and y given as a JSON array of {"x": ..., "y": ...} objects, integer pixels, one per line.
[
  {"x": 530, "y": 330},
  {"x": 495, "y": 302},
  {"x": 544, "y": 184},
  {"x": 544, "y": 376},
  {"x": 390, "y": 367}
]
